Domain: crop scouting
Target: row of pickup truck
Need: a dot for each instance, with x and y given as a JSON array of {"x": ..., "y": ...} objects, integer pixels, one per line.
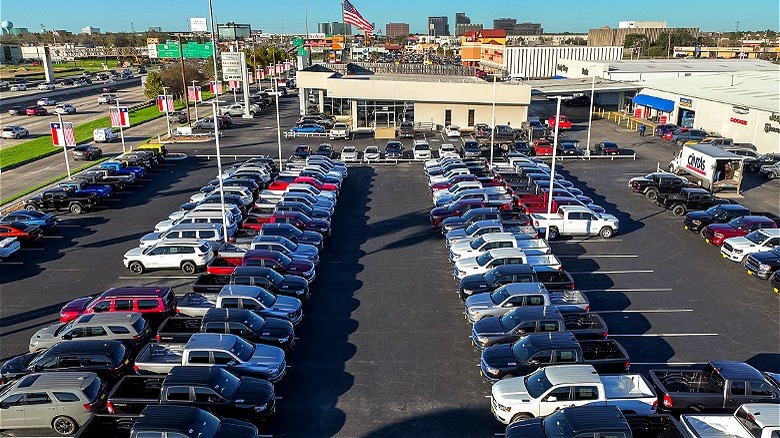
[{"x": 550, "y": 360}]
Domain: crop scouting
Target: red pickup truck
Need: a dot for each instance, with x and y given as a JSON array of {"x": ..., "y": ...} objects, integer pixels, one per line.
[
  {"x": 530, "y": 199},
  {"x": 282, "y": 181},
  {"x": 557, "y": 201},
  {"x": 298, "y": 219},
  {"x": 543, "y": 147},
  {"x": 715, "y": 234},
  {"x": 563, "y": 122}
]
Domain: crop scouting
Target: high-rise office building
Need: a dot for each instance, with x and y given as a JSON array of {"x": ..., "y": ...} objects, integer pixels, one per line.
[
  {"x": 334, "y": 28},
  {"x": 527, "y": 29},
  {"x": 462, "y": 18},
  {"x": 394, "y": 30},
  {"x": 462, "y": 28},
  {"x": 506, "y": 24},
  {"x": 438, "y": 26}
]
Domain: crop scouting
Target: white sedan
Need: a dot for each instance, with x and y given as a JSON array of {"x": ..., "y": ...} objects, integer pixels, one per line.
[
  {"x": 65, "y": 108},
  {"x": 349, "y": 153},
  {"x": 44, "y": 101},
  {"x": 18, "y": 87},
  {"x": 46, "y": 86},
  {"x": 448, "y": 150},
  {"x": 14, "y": 131},
  {"x": 371, "y": 153},
  {"x": 452, "y": 131}
]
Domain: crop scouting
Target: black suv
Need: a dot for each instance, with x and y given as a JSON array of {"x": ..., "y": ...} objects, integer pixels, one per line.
[
  {"x": 654, "y": 183},
  {"x": 108, "y": 359},
  {"x": 61, "y": 199},
  {"x": 697, "y": 221},
  {"x": 689, "y": 199}
]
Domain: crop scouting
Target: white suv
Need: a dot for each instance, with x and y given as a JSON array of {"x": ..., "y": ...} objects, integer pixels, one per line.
[
  {"x": 187, "y": 255},
  {"x": 210, "y": 232},
  {"x": 737, "y": 248},
  {"x": 106, "y": 98},
  {"x": 421, "y": 151}
]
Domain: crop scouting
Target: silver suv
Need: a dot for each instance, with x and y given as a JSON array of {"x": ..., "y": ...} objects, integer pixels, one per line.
[
  {"x": 63, "y": 401},
  {"x": 128, "y": 327}
]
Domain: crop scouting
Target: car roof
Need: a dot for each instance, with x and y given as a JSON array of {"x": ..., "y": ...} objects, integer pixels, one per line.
[
  {"x": 234, "y": 290},
  {"x": 546, "y": 341},
  {"x": 56, "y": 380},
  {"x": 180, "y": 242},
  {"x": 172, "y": 418},
  {"x": 764, "y": 414},
  {"x": 771, "y": 232},
  {"x": 515, "y": 269},
  {"x": 87, "y": 346},
  {"x": 109, "y": 318},
  {"x": 570, "y": 374},
  {"x": 758, "y": 219},
  {"x": 211, "y": 341},
  {"x": 695, "y": 190},
  {"x": 524, "y": 288},
  {"x": 498, "y": 237},
  {"x": 195, "y": 226},
  {"x": 194, "y": 375},
  {"x": 596, "y": 418},
  {"x": 733, "y": 207},
  {"x": 229, "y": 315},
  {"x": 133, "y": 291},
  {"x": 736, "y": 370},
  {"x": 526, "y": 313}
]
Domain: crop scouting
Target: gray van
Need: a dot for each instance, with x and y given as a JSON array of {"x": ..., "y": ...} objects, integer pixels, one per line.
[
  {"x": 129, "y": 327},
  {"x": 63, "y": 401}
]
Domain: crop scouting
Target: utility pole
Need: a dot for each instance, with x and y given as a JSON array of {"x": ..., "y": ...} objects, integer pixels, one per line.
[{"x": 184, "y": 82}]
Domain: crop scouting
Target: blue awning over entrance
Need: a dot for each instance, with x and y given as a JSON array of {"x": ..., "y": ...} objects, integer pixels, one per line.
[{"x": 664, "y": 105}]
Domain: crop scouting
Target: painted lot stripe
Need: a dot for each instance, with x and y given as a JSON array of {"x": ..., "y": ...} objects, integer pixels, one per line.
[
  {"x": 31, "y": 249},
  {"x": 662, "y": 335},
  {"x": 634, "y": 271},
  {"x": 587, "y": 241},
  {"x": 660, "y": 289},
  {"x": 646, "y": 311},
  {"x": 144, "y": 277},
  {"x": 599, "y": 256},
  {"x": 53, "y": 237},
  {"x": 12, "y": 263}
]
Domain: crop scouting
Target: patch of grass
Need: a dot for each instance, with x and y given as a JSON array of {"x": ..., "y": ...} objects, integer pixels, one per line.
[{"x": 51, "y": 181}]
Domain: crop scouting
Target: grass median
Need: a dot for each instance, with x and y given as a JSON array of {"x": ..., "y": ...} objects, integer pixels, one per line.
[{"x": 41, "y": 147}]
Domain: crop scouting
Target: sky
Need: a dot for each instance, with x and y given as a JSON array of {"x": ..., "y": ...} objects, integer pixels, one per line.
[{"x": 289, "y": 17}]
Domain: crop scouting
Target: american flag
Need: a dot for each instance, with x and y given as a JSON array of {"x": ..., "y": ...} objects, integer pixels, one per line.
[
  {"x": 62, "y": 134},
  {"x": 193, "y": 94},
  {"x": 120, "y": 117},
  {"x": 352, "y": 16},
  {"x": 165, "y": 103}
]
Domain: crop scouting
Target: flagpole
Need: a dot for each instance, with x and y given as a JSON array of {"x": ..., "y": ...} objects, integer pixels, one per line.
[
  {"x": 165, "y": 105},
  {"x": 121, "y": 131},
  {"x": 64, "y": 144}
]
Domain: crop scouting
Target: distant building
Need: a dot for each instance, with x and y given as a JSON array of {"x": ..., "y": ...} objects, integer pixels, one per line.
[
  {"x": 607, "y": 36},
  {"x": 89, "y": 30},
  {"x": 505, "y": 24},
  {"x": 10, "y": 53},
  {"x": 527, "y": 29},
  {"x": 334, "y": 28},
  {"x": 154, "y": 29},
  {"x": 647, "y": 24},
  {"x": 438, "y": 26},
  {"x": 395, "y": 30},
  {"x": 460, "y": 29},
  {"x": 231, "y": 31},
  {"x": 18, "y": 31},
  {"x": 462, "y": 18}
]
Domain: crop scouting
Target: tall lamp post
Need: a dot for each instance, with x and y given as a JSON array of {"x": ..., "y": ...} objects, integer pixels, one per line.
[
  {"x": 219, "y": 169},
  {"x": 590, "y": 115},
  {"x": 493, "y": 122},
  {"x": 552, "y": 166}
]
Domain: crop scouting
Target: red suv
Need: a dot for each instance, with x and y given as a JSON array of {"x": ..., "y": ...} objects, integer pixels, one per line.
[
  {"x": 154, "y": 303},
  {"x": 715, "y": 234},
  {"x": 36, "y": 110}
]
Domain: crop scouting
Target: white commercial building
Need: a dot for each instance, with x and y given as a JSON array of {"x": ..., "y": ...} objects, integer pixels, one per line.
[
  {"x": 744, "y": 106},
  {"x": 89, "y": 30},
  {"x": 643, "y": 24},
  {"x": 541, "y": 62},
  {"x": 649, "y": 69}
]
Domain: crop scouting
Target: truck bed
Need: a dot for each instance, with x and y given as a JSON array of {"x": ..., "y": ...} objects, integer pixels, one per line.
[
  {"x": 544, "y": 260},
  {"x": 133, "y": 393},
  {"x": 159, "y": 358},
  {"x": 654, "y": 426},
  {"x": 107, "y": 425},
  {"x": 672, "y": 381},
  {"x": 585, "y": 325},
  {"x": 606, "y": 356},
  {"x": 569, "y": 300},
  {"x": 178, "y": 329},
  {"x": 210, "y": 283},
  {"x": 626, "y": 386},
  {"x": 192, "y": 304}
]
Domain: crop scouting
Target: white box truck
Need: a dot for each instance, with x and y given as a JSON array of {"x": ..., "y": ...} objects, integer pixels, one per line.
[
  {"x": 104, "y": 135},
  {"x": 714, "y": 167}
]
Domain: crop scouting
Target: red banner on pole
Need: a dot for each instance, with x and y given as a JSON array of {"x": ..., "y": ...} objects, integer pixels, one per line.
[
  {"x": 165, "y": 103},
  {"x": 120, "y": 117},
  {"x": 194, "y": 94}
]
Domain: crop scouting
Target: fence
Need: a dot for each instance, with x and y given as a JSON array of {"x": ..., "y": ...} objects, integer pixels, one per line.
[
  {"x": 624, "y": 119},
  {"x": 409, "y": 69}
]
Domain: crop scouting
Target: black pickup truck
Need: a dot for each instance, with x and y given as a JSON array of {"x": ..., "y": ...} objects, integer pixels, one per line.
[
  {"x": 211, "y": 388},
  {"x": 719, "y": 387},
  {"x": 159, "y": 420},
  {"x": 654, "y": 183},
  {"x": 544, "y": 349},
  {"x": 276, "y": 283},
  {"x": 688, "y": 199},
  {"x": 697, "y": 221},
  {"x": 92, "y": 178},
  {"x": 245, "y": 323},
  {"x": 210, "y": 283},
  {"x": 62, "y": 199},
  {"x": 597, "y": 420}
]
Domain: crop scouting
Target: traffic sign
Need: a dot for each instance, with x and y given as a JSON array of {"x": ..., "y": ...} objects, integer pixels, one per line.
[
  {"x": 297, "y": 42},
  {"x": 191, "y": 50},
  {"x": 302, "y": 52}
]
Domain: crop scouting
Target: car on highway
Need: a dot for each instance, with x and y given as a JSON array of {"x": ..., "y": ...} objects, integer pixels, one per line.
[
  {"x": 82, "y": 82},
  {"x": 86, "y": 152},
  {"x": 18, "y": 87},
  {"x": 108, "y": 89},
  {"x": 46, "y": 101},
  {"x": 46, "y": 221},
  {"x": 371, "y": 153},
  {"x": 65, "y": 108},
  {"x": 308, "y": 128},
  {"x": 35, "y": 110},
  {"x": 23, "y": 232},
  {"x": 66, "y": 81},
  {"x": 14, "y": 131},
  {"x": 189, "y": 256},
  {"x": 15, "y": 111},
  {"x": 45, "y": 86},
  {"x": 106, "y": 98}
]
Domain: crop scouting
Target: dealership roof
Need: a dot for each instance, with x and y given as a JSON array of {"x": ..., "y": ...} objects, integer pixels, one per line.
[
  {"x": 578, "y": 85},
  {"x": 417, "y": 78},
  {"x": 753, "y": 89},
  {"x": 689, "y": 65}
]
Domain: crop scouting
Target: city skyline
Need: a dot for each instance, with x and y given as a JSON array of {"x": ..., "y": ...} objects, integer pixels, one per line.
[{"x": 570, "y": 16}]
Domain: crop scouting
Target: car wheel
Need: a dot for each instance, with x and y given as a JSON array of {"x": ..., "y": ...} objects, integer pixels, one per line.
[
  {"x": 136, "y": 268},
  {"x": 772, "y": 175},
  {"x": 520, "y": 417},
  {"x": 553, "y": 233},
  {"x": 703, "y": 233},
  {"x": 678, "y": 210},
  {"x": 64, "y": 425},
  {"x": 17, "y": 136},
  {"x": 651, "y": 194},
  {"x": 188, "y": 267},
  {"x": 744, "y": 262},
  {"x": 680, "y": 142},
  {"x": 76, "y": 209},
  {"x": 752, "y": 168},
  {"x": 31, "y": 207},
  {"x": 606, "y": 232}
]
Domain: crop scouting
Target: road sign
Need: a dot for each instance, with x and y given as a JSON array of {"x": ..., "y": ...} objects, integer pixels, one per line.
[
  {"x": 232, "y": 63},
  {"x": 302, "y": 52},
  {"x": 191, "y": 50},
  {"x": 197, "y": 24},
  {"x": 297, "y": 42}
]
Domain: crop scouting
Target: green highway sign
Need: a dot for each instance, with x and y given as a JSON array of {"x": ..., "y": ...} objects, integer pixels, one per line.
[
  {"x": 297, "y": 42},
  {"x": 302, "y": 52},
  {"x": 191, "y": 50}
]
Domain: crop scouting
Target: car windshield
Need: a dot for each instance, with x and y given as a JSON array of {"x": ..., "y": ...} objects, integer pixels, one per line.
[
  {"x": 756, "y": 237},
  {"x": 471, "y": 228},
  {"x": 484, "y": 259},
  {"x": 715, "y": 211},
  {"x": 255, "y": 321},
  {"x": 557, "y": 426},
  {"x": 522, "y": 350},
  {"x": 499, "y": 296},
  {"x": 537, "y": 384},
  {"x": 226, "y": 384},
  {"x": 510, "y": 320},
  {"x": 63, "y": 328},
  {"x": 737, "y": 223},
  {"x": 479, "y": 241},
  {"x": 349, "y": 149},
  {"x": 8, "y": 129},
  {"x": 274, "y": 277},
  {"x": 288, "y": 245},
  {"x": 422, "y": 147},
  {"x": 609, "y": 144},
  {"x": 372, "y": 150},
  {"x": 267, "y": 299},
  {"x": 242, "y": 349}
]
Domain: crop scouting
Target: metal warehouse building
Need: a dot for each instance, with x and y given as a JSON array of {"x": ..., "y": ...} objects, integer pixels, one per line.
[{"x": 542, "y": 62}]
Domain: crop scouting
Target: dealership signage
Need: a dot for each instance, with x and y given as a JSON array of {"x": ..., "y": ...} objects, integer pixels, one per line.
[
  {"x": 685, "y": 102},
  {"x": 768, "y": 126},
  {"x": 740, "y": 109}
]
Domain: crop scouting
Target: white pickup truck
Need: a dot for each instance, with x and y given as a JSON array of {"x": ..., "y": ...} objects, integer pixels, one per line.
[
  {"x": 576, "y": 220},
  {"x": 752, "y": 420},
  {"x": 484, "y": 243},
  {"x": 500, "y": 257},
  {"x": 557, "y": 387}
]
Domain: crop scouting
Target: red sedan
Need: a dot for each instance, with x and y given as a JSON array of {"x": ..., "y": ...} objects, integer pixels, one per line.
[
  {"x": 36, "y": 110},
  {"x": 22, "y": 231}
]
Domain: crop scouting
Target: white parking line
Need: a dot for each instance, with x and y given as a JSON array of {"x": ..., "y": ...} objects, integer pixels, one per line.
[
  {"x": 660, "y": 289},
  {"x": 144, "y": 277},
  {"x": 662, "y": 335},
  {"x": 53, "y": 237},
  {"x": 30, "y": 249},
  {"x": 11, "y": 263},
  {"x": 600, "y": 256},
  {"x": 646, "y": 311},
  {"x": 634, "y": 271}
]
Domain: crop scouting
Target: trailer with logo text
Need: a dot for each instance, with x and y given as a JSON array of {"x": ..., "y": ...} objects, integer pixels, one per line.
[{"x": 713, "y": 167}]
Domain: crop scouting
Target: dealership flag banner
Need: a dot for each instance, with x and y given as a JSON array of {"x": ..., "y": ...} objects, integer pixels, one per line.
[
  {"x": 62, "y": 134},
  {"x": 165, "y": 103},
  {"x": 120, "y": 117},
  {"x": 194, "y": 94},
  {"x": 233, "y": 85},
  {"x": 214, "y": 87}
]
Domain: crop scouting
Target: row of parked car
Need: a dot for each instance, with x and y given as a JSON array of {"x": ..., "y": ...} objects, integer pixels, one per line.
[
  {"x": 553, "y": 368},
  {"x": 204, "y": 363},
  {"x": 751, "y": 238}
]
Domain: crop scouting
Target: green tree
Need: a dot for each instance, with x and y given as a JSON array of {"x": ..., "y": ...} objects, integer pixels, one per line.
[
  {"x": 154, "y": 85},
  {"x": 172, "y": 80}
]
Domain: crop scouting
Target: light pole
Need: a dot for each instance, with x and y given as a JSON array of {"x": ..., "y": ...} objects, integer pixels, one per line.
[
  {"x": 64, "y": 145},
  {"x": 590, "y": 115},
  {"x": 278, "y": 125},
  {"x": 493, "y": 122},
  {"x": 217, "y": 84},
  {"x": 552, "y": 166},
  {"x": 219, "y": 169}
]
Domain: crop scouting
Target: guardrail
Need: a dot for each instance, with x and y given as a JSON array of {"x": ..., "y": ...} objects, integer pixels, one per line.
[{"x": 140, "y": 105}]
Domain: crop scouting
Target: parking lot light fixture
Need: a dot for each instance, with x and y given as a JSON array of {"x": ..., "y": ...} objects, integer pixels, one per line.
[
  {"x": 590, "y": 114},
  {"x": 552, "y": 166},
  {"x": 493, "y": 122},
  {"x": 219, "y": 169}
]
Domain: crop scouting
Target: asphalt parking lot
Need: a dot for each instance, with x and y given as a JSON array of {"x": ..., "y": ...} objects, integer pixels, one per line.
[{"x": 383, "y": 349}]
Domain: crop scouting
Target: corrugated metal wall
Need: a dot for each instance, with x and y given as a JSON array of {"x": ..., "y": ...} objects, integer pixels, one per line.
[{"x": 540, "y": 62}]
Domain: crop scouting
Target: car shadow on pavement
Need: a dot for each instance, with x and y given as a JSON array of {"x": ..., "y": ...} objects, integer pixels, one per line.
[
  {"x": 318, "y": 362},
  {"x": 450, "y": 423}
]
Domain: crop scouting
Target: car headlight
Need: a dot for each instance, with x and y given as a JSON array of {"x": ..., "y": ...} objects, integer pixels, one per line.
[
  {"x": 763, "y": 267},
  {"x": 491, "y": 370},
  {"x": 471, "y": 311},
  {"x": 502, "y": 407},
  {"x": 696, "y": 222},
  {"x": 260, "y": 408},
  {"x": 291, "y": 315},
  {"x": 482, "y": 340},
  {"x": 284, "y": 339},
  {"x": 468, "y": 292},
  {"x": 270, "y": 370}
]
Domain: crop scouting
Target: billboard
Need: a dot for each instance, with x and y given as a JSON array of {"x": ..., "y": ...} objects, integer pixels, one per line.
[{"x": 198, "y": 24}]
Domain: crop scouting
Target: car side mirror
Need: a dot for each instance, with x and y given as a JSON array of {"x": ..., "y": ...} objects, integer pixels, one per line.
[
  {"x": 534, "y": 362},
  {"x": 67, "y": 336},
  {"x": 232, "y": 363},
  {"x": 37, "y": 367},
  {"x": 551, "y": 398}
]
